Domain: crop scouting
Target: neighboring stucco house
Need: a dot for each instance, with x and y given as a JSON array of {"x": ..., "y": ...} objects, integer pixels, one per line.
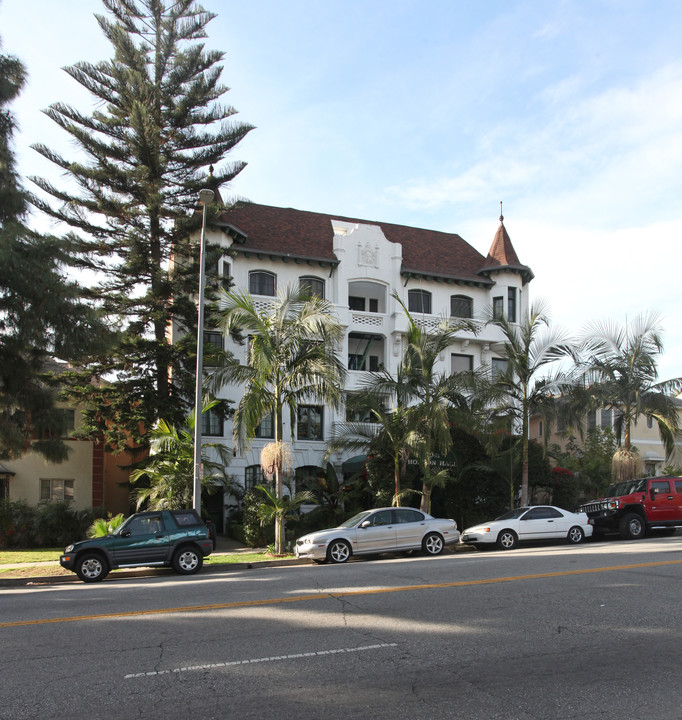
[
  {"x": 358, "y": 265},
  {"x": 644, "y": 436},
  {"x": 89, "y": 477}
]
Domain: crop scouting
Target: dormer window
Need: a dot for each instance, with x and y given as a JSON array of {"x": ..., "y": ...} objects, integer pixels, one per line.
[
  {"x": 419, "y": 301},
  {"x": 262, "y": 283}
]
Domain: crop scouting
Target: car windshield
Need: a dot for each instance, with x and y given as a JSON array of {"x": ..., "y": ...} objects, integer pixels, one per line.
[
  {"x": 121, "y": 527},
  {"x": 626, "y": 488},
  {"x": 512, "y": 514},
  {"x": 356, "y": 519}
]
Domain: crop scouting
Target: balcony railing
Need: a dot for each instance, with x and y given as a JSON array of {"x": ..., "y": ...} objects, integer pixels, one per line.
[{"x": 366, "y": 321}]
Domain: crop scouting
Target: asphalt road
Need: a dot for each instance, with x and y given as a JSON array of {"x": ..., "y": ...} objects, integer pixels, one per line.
[{"x": 553, "y": 632}]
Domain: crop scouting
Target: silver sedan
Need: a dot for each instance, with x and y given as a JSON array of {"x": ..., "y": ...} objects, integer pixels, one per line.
[{"x": 378, "y": 531}]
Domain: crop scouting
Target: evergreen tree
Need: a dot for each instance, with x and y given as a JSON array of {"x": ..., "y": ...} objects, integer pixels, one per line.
[
  {"x": 40, "y": 316},
  {"x": 130, "y": 203}
]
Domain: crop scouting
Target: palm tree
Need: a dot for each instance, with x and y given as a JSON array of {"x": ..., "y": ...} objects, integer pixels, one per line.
[
  {"x": 530, "y": 348},
  {"x": 425, "y": 394},
  {"x": 620, "y": 373},
  {"x": 291, "y": 360},
  {"x": 101, "y": 527},
  {"x": 169, "y": 469},
  {"x": 394, "y": 430},
  {"x": 278, "y": 508}
]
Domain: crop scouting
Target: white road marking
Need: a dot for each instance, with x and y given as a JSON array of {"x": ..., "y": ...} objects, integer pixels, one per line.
[{"x": 211, "y": 666}]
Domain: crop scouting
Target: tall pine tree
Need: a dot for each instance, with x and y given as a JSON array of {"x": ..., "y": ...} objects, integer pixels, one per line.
[
  {"x": 41, "y": 318},
  {"x": 131, "y": 201}
]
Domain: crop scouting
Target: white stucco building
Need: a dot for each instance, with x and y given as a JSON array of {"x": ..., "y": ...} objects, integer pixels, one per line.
[{"x": 357, "y": 265}]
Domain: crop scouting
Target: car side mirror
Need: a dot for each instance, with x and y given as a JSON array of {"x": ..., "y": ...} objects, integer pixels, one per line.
[
  {"x": 125, "y": 533},
  {"x": 364, "y": 524}
]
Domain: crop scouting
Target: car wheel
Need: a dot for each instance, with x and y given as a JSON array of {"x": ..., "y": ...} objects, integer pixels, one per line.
[
  {"x": 632, "y": 527},
  {"x": 507, "y": 540},
  {"x": 433, "y": 544},
  {"x": 187, "y": 561},
  {"x": 92, "y": 568},
  {"x": 575, "y": 535},
  {"x": 339, "y": 551}
]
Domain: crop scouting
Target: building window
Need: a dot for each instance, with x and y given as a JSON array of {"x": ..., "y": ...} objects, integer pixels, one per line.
[
  {"x": 4, "y": 489},
  {"x": 356, "y": 303},
  {"x": 591, "y": 423},
  {"x": 212, "y": 423},
  {"x": 52, "y": 490},
  {"x": 213, "y": 345},
  {"x": 312, "y": 286},
  {"x": 266, "y": 428},
  {"x": 606, "y": 418},
  {"x": 511, "y": 304},
  {"x": 540, "y": 428},
  {"x": 499, "y": 366},
  {"x": 356, "y": 362},
  {"x": 374, "y": 364},
  {"x": 649, "y": 422},
  {"x": 215, "y": 339},
  {"x": 373, "y": 305},
  {"x": 253, "y": 475},
  {"x": 262, "y": 283},
  {"x": 461, "y": 363},
  {"x": 306, "y": 477},
  {"x": 357, "y": 412},
  {"x": 309, "y": 423},
  {"x": 419, "y": 301},
  {"x": 498, "y": 308},
  {"x": 461, "y": 306},
  {"x": 225, "y": 275}
]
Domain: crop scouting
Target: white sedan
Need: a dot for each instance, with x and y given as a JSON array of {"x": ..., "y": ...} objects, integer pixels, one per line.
[
  {"x": 381, "y": 530},
  {"x": 537, "y": 522}
]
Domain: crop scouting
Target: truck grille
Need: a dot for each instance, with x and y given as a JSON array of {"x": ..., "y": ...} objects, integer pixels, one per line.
[{"x": 592, "y": 507}]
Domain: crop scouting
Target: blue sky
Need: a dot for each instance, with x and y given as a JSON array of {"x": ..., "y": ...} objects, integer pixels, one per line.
[{"x": 429, "y": 112}]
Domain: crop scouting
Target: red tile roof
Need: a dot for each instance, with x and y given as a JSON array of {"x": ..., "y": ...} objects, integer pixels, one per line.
[{"x": 303, "y": 234}]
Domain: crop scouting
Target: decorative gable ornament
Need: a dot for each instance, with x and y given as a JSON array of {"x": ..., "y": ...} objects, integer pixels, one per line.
[{"x": 368, "y": 254}]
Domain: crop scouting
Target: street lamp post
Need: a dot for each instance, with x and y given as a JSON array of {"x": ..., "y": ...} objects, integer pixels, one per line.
[{"x": 205, "y": 197}]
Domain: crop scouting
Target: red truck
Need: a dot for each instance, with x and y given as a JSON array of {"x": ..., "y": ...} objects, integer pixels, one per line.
[{"x": 636, "y": 506}]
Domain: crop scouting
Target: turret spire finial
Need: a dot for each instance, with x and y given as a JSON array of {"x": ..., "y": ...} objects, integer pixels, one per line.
[{"x": 501, "y": 215}]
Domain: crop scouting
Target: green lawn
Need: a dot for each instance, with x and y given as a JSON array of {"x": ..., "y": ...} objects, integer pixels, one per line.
[{"x": 9, "y": 557}]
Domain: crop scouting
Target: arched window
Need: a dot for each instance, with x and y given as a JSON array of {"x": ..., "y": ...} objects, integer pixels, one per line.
[
  {"x": 307, "y": 477},
  {"x": 461, "y": 306},
  {"x": 312, "y": 286},
  {"x": 262, "y": 283},
  {"x": 419, "y": 301}
]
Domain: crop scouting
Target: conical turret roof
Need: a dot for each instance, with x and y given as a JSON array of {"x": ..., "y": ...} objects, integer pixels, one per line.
[{"x": 502, "y": 256}]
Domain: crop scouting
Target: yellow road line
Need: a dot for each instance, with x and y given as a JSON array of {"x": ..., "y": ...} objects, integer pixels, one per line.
[{"x": 330, "y": 595}]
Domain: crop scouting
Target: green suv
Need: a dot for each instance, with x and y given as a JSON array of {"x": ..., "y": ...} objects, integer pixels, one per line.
[{"x": 170, "y": 538}]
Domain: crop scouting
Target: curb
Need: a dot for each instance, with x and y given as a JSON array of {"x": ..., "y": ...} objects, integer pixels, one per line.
[{"x": 161, "y": 571}]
